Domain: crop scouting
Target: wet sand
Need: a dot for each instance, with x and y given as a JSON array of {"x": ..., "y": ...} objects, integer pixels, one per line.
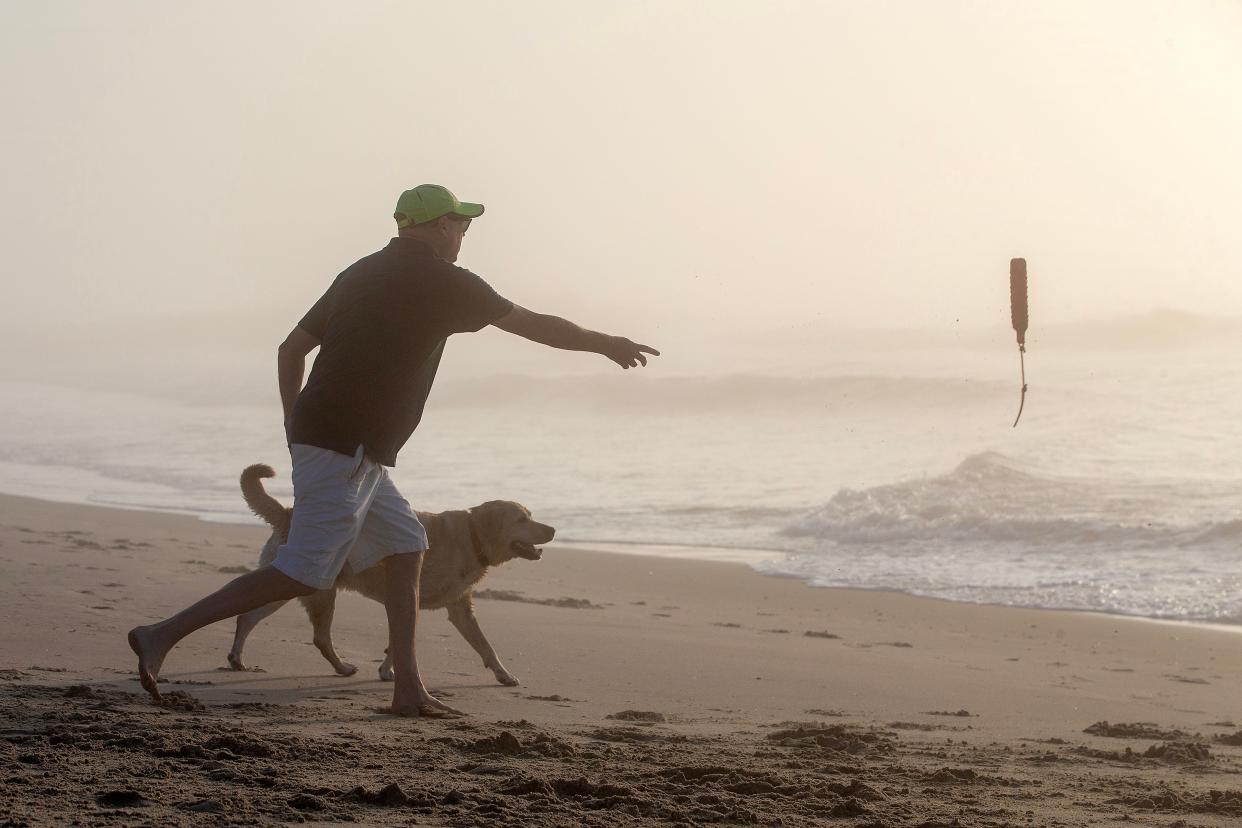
[{"x": 653, "y": 692}]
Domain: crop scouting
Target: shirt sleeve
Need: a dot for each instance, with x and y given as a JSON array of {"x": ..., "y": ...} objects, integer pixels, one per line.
[
  {"x": 315, "y": 322},
  {"x": 473, "y": 304}
]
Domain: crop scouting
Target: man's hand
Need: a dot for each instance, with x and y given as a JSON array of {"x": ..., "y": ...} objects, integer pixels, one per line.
[
  {"x": 556, "y": 332},
  {"x": 625, "y": 353}
]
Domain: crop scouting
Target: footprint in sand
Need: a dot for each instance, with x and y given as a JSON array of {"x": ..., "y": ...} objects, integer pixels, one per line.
[
  {"x": 644, "y": 716},
  {"x": 120, "y": 799},
  {"x": 513, "y": 595},
  {"x": 632, "y": 735},
  {"x": 922, "y": 726},
  {"x": 729, "y": 624}
]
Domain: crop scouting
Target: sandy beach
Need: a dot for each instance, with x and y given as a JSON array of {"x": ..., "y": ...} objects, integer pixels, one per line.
[
  {"x": 874, "y": 363},
  {"x": 654, "y": 691}
]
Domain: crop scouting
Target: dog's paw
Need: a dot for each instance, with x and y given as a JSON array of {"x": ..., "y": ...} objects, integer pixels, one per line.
[
  {"x": 387, "y": 674},
  {"x": 346, "y": 669},
  {"x": 506, "y": 678},
  {"x": 235, "y": 663}
]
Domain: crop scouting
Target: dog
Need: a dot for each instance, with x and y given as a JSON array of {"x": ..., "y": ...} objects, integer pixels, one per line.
[{"x": 463, "y": 546}]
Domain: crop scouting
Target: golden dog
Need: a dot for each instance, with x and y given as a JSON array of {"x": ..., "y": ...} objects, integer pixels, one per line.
[{"x": 464, "y": 545}]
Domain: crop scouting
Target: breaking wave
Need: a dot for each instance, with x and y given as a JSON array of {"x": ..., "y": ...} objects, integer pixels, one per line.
[
  {"x": 991, "y": 498},
  {"x": 737, "y": 391}
]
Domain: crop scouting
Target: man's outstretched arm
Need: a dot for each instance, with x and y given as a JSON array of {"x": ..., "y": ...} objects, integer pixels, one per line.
[{"x": 556, "y": 332}]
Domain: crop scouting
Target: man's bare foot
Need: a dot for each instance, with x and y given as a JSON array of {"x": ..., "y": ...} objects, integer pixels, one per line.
[
  {"x": 423, "y": 704},
  {"x": 150, "y": 659}
]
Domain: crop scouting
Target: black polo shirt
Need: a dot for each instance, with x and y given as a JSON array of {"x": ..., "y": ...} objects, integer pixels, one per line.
[{"x": 381, "y": 328}]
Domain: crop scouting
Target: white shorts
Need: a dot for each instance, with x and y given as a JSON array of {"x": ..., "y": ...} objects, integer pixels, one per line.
[{"x": 345, "y": 509}]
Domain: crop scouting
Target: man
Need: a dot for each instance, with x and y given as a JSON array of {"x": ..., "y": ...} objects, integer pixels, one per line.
[{"x": 381, "y": 328}]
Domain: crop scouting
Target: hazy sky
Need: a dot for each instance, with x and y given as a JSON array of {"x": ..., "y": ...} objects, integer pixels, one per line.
[{"x": 649, "y": 168}]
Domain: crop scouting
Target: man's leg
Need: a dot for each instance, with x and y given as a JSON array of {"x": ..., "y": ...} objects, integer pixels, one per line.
[
  {"x": 254, "y": 589},
  {"x": 409, "y": 696}
]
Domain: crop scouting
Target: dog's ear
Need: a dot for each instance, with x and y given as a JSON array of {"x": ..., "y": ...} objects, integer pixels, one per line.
[{"x": 489, "y": 522}]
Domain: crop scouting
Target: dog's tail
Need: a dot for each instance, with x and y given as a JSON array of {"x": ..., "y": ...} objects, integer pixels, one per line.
[{"x": 257, "y": 498}]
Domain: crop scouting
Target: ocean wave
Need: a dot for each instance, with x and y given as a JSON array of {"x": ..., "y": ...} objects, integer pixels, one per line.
[
  {"x": 735, "y": 391},
  {"x": 1227, "y": 532},
  {"x": 992, "y": 498}
]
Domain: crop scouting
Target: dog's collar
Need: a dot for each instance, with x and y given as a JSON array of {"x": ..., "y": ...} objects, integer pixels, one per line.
[{"x": 476, "y": 542}]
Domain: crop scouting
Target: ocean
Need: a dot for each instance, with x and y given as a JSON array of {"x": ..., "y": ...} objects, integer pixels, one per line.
[{"x": 1119, "y": 492}]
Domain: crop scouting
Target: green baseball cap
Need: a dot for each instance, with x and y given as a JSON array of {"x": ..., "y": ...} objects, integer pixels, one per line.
[{"x": 427, "y": 202}]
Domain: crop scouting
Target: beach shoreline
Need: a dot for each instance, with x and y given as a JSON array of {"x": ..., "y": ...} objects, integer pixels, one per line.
[
  {"x": 716, "y": 659},
  {"x": 744, "y": 556}
]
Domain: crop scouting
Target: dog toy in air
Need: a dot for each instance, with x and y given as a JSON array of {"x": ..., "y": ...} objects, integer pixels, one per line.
[{"x": 1018, "y": 313}]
